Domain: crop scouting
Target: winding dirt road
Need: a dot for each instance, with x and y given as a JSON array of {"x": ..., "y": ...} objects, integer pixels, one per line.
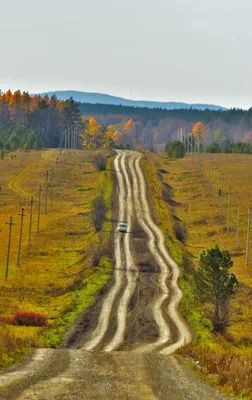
[
  {"x": 120, "y": 348},
  {"x": 120, "y": 315}
]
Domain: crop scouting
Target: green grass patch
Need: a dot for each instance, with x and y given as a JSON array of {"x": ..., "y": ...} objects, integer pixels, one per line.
[{"x": 78, "y": 301}]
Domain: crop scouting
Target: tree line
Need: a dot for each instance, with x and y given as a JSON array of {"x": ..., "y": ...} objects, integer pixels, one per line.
[
  {"x": 158, "y": 126},
  {"x": 144, "y": 114},
  {"x": 32, "y": 122},
  {"x": 196, "y": 142}
]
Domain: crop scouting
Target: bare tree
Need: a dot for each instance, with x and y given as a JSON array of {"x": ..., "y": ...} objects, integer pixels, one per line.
[
  {"x": 180, "y": 230},
  {"x": 98, "y": 249},
  {"x": 98, "y": 212}
]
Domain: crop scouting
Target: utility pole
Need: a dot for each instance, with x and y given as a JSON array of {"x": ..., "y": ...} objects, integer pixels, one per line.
[
  {"x": 76, "y": 136},
  {"x": 30, "y": 224},
  {"x": 56, "y": 175},
  {"x": 248, "y": 235},
  {"x": 229, "y": 204},
  {"x": 66, "y": 144},
  {"x": 209, "y": 178},
  {"x": 195, "y": 152},
  {"x": 51, "y": 186},
  {"x": 68, "y": 131},
  {"x": 65, "y": 137},
  {"x": 46, "y": 191},
  {"x": 237, "y": 224},
  {"x": 72, "y": 137},
  {"x": 221, "y": 197},
  {"x": 9, "y": 245},
  {"x": 39, "y": 204},
  {"x": 60, "y": 162},
  {"x": 198, "y": 153},
  {"x": 215, "y": 188},
  {"x": 20, "y": 236}
]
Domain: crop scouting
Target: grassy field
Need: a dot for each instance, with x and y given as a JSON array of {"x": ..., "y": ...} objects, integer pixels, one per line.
[
  {"x": 180, "y": 193},
  {"x": 58, "y": 277}
]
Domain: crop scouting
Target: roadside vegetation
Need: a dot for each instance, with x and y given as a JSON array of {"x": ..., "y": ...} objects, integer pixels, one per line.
[
  {"x": 69, "y": 260},
  {"x": 222, "y": 348},
  {"x": 175, "y": 149}
]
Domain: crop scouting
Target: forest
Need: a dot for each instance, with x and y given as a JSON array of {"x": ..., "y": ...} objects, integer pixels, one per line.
[
  {"x": 154, "y": 127},
  {"x": 33, "y": 122}
]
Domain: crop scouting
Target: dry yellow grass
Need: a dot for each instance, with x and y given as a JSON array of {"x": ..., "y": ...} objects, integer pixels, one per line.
[
  {"x": 205, "y": 227},
  {"x": 204, "y": 231},
  {"x": 62, "y": 248}
]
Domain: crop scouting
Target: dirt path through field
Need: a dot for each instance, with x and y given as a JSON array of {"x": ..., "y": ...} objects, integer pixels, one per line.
[
  {"x": 14, "y": 183},
  {"x": 119, "y": 348},
  {"x": 121, "y": 320}
]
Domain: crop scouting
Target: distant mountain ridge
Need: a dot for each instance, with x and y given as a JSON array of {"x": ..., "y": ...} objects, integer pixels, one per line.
[{"x": 99, "y": 98}]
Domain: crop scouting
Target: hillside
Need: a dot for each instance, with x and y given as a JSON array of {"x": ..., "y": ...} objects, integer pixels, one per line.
[{"x": 99, "y": 98}]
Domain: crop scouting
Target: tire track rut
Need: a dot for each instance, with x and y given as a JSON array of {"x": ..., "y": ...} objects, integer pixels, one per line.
[{"x": 140, "y": 311}]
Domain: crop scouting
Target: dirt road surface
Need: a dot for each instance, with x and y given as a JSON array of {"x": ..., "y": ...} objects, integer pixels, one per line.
[{"x": 121, "y": 347}]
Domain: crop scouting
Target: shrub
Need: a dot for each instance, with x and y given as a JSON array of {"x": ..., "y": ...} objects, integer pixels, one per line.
[
  {"x": 100, "y": 162},
  {"x": 26, "y": 147},
  {"x": 25, "y": 318},
  {"x": 98, "y": 250},
  {"x": 8, "y": 320},
  {"x": 8, "y": 342},
  {"x": 98, "y": 212},
  {"x": 231, "y": 368},
  {"x": 35, "y": 145},
  {"x": 180, "y": 231},
  {"x": 175, "y": 149}
]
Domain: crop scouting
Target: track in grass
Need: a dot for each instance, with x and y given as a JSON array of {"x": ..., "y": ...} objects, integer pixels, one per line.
[{"x": 140, "y": 311}]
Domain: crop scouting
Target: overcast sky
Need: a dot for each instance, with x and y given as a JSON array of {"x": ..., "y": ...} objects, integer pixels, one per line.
[{"x": 173, "y": 50}]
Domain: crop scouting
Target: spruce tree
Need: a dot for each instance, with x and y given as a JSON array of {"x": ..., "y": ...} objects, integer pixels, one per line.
[{"x": 216, "y": 285}]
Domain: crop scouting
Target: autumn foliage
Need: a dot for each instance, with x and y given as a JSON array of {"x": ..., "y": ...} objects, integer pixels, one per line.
[
  {"x": 95, "y": 135},
  {"x": 130, "y": 127},
  {"x": 199, "y": 131},
  {"x": 34, "y": 121},
  {"x": 25, "y": 318}
]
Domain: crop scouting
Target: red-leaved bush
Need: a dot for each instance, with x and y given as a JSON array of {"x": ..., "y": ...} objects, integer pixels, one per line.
[
  {"x": 8, "y": 320},
  {"x": 25, "y": 318}
]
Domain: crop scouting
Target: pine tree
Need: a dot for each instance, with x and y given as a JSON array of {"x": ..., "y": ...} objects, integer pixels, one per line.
[{"x": 216, "y": 285}]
